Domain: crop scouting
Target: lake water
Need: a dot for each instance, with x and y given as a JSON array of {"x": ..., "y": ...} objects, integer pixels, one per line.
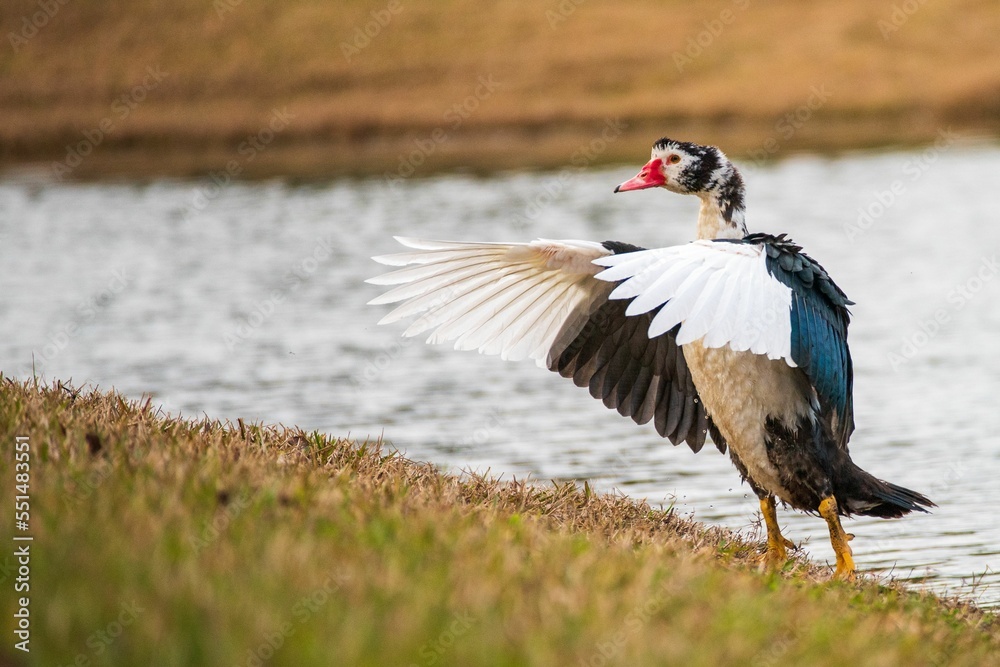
[{"x": 249, "y": 302}]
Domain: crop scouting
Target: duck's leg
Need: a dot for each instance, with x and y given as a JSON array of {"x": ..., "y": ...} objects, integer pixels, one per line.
[
  {"x": 839, "y": 539},
  {"x": 777, "y": 544}
]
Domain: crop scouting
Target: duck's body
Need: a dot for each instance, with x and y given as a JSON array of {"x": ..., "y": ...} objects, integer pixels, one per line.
[
  {"x": 742, "y": 392},
  {"x": 741, "y": 336}
]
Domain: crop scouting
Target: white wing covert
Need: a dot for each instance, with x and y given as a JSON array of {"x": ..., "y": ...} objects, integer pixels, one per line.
[{"x": 717, "y": 291}]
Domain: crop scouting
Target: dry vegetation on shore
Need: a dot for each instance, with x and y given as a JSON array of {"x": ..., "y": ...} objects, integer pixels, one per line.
[
  {"x": 363, "y": 81},
  {"x": 175, "y": 542}
]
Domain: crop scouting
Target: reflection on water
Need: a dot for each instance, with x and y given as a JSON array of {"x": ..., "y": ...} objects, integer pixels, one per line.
[{"x": 255, "y": 308}]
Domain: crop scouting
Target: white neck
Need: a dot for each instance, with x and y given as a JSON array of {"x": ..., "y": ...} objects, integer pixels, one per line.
[{"x": 712, "y": 224}]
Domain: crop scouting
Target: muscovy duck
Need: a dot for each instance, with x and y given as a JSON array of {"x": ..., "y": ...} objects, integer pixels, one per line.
[{"x": 739, "y": 336}]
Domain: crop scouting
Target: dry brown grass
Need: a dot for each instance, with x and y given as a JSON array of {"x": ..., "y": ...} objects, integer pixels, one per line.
[{"x": 557, "y": 84}]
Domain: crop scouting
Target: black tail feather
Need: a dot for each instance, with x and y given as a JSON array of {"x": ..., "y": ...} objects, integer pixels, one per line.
[{"x": 869, "y": 496}]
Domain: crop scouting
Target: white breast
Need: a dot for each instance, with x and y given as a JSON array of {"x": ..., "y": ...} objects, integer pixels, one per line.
[{"x": 740, "y": 391}]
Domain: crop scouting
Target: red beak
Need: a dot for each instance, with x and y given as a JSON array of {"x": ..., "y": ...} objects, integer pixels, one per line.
[{"x": 651, "y": 176}]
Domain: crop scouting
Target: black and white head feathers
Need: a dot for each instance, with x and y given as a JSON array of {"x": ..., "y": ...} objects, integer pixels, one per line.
[{"x": 705, "y": 171}]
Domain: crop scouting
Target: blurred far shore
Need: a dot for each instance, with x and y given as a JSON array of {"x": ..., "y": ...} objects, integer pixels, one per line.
[{"x": 399, "y": 88}]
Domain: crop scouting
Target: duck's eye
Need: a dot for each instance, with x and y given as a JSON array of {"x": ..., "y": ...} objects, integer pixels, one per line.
[{"x": 674, "y": 159}]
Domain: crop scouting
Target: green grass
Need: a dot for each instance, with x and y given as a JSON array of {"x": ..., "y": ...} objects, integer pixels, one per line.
[{"x": 233, "y": 544}]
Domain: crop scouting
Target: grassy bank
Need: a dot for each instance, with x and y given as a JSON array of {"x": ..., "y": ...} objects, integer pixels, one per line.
[
  {"x": 370, "y": 86},
  {"x": 169, "y": 542}
]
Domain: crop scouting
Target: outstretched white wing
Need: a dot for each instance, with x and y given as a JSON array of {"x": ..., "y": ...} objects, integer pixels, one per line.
[
  {"x": 551, "y": 301},
  {"x": 718, "y": 291},
  {"x": 518, "y": 300}
]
